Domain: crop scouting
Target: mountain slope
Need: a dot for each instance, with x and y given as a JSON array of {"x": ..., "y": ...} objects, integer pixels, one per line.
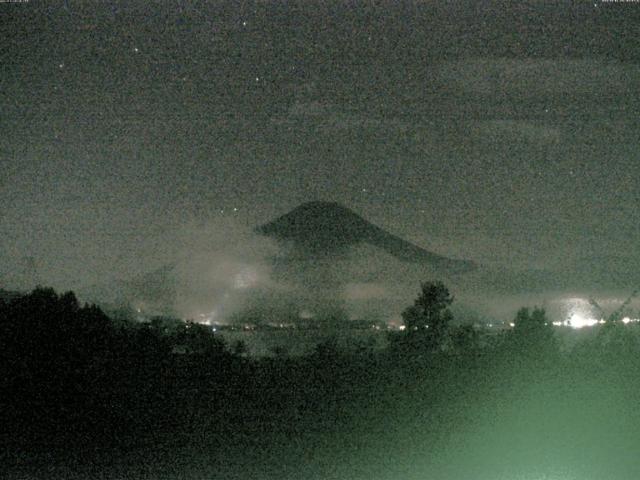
[{"x": 325, "y": 228}]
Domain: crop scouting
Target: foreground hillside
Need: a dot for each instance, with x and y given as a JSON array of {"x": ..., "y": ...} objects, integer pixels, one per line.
[{"x": 90, "y": 398}]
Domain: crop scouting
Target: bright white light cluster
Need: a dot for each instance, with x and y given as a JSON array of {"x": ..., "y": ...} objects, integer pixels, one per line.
[
  {"x": 578, "y": 320},
  {"x": 581, "y": 314}
]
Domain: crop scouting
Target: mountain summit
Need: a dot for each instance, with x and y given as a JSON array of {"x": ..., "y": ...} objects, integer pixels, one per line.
[{"x": 321, "y": 228}]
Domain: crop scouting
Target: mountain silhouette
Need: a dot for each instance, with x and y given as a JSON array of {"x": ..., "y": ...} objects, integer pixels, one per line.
[
  {"x": 327, "y": 228},
  {"x": 325, "y": 246}
]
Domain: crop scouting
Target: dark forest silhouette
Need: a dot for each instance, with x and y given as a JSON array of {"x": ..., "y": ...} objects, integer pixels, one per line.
[{"x": 79, "y": 386}]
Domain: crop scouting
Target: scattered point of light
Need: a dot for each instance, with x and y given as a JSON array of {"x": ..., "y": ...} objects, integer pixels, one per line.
[
  {"x": 135, "y": 49},
  {"x": 511, "y": 324},
  {"x": 244, "y": 23},
  {"x": 61, "y": 65},
  {"x": 364, "y": 190},
  {"x": 235, "y": 209},
  {"x": 257, "y": 79}
]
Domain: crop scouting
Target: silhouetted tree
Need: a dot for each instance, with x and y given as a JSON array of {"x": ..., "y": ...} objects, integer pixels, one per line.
[
  {"x": 527, "y": 323},
  {"x": 200, "y": 339},
  {"x": 51, "y": 350},
  {"x": 331, "y": 317},
  {"x": 279, "y": 351},
  {"x": 328, "y": 348},
  {"x": 619, "y": 312},
  {"x": 429, "y": 317},
  {"x": 614, "y": 341},
  {"x": 361, "y": 346},
  {"x": 239, "y": 348},
  {"x": 465, "y": 338},
  {"x": 533, "y": 334},
  {"x": 165, "y": 325}
]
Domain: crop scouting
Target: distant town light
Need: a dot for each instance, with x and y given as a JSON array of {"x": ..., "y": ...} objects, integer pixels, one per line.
[{"x": 580, "y": 321}]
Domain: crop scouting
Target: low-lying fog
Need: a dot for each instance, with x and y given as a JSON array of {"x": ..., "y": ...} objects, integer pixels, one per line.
[{"x": 221, "y": 272}]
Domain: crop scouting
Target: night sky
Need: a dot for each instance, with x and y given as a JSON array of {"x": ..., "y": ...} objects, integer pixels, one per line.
[{"x": 503, "y": 132}]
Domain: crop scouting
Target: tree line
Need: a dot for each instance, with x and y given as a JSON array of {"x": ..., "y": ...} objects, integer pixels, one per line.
[{"x": 71, "y": 374}]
